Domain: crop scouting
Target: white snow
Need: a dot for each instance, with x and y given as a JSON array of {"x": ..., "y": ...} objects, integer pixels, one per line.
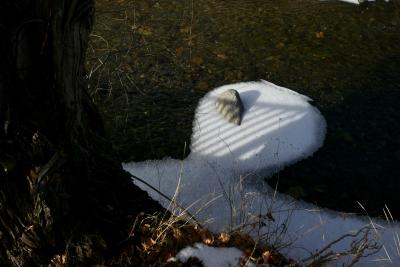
[
  {"x": 354, "y": 1},
  {"x": 359, "y": 1},
  {"x": 212, "y": 256},
  {"x": 221, "y": 180}
]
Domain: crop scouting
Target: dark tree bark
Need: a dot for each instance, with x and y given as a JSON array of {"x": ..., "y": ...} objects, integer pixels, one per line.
[{"x": 61, "y": 184}]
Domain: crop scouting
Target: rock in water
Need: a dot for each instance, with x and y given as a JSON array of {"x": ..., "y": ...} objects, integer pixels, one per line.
[{"x": 230, "y": 106}]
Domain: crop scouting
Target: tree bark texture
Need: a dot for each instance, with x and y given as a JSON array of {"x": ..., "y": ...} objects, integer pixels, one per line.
[{"x": 61, "y": 184}]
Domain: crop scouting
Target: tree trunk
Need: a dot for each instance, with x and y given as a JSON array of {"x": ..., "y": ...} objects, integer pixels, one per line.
[{"x": 61, "y": 184}]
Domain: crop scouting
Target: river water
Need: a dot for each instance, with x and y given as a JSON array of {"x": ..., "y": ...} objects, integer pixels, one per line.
[{"x": 150, "y": 62}]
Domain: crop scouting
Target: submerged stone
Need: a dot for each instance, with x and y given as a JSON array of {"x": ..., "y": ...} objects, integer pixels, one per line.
[{"x": 230, "y": 106}]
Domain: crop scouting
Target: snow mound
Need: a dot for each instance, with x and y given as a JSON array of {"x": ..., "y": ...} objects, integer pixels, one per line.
[{"x": 279, "y": 127}]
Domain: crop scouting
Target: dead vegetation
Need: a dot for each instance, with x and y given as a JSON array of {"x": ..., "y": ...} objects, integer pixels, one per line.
[{"x": 162, "y": 238}]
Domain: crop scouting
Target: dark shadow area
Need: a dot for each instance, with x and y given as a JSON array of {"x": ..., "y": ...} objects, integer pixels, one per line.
[
  {"x": 155, "y": 126},
  {"x": 360, "y": 158}
]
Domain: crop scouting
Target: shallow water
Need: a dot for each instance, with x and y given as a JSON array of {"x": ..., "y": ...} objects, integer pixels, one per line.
[{"x": 149, "y": 63}]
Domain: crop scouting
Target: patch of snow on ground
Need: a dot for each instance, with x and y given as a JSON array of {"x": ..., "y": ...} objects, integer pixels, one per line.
[
  {"x": 221, "y": 181},
  {"x": 359, "y": 1},
  {"x": 212, "y": 256}
]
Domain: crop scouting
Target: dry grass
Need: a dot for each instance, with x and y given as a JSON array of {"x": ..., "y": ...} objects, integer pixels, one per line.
[{"x": 162, "y": 238}]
